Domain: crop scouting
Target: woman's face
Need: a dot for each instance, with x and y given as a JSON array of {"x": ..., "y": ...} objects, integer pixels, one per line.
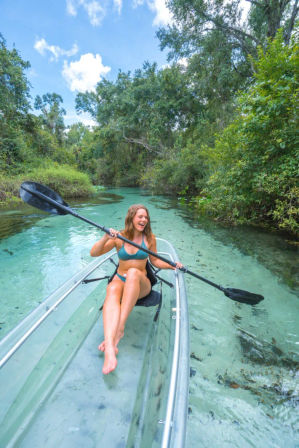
[{"x": 140, "y": 220}]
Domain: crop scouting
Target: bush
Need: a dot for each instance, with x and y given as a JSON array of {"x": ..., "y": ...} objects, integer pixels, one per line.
[
  {"x": 255, "y": 160},
  {"x": 67, "y": 181}
]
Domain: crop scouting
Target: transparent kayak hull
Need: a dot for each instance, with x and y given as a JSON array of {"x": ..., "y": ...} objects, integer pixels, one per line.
[{"x": 53, "y": 392}]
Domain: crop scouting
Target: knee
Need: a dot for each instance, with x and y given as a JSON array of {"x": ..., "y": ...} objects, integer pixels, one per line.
[
  {"x": 112, "y": 293},
  {"x": 133, "y": 274}
]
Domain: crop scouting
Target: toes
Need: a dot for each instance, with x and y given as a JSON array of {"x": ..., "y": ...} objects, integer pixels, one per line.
[{"x": 101, "y": 347}]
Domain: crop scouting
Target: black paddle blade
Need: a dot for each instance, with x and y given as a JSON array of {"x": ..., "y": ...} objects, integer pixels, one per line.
[
  {"x": 243, "y": 296},
  {"x": 30, "y": 191}
]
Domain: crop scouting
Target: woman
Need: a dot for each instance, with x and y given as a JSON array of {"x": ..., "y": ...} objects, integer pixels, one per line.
[{"x": 130, "y": 282}]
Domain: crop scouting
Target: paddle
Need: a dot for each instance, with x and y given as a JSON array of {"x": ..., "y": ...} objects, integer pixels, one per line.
[{"x": 44, "y": 198}]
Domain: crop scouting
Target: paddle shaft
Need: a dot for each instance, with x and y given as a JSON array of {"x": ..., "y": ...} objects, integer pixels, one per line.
[
  {"x": 103, "y": 228},
  {"x": 238, "y": 295},
  {"x": 221, "y": 288}
]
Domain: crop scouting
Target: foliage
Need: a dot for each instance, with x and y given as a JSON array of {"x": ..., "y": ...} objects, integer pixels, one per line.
[
  {"x": 69, "y": 182},
  {"x": 139, "y": 117},
  {"x": 52, "y": 114},
  {"x": 195, "y": 22},
  {"x": 14, "y": 104},
  {"x": 14, "y": 87},
  {"x": 182, "y": 172},
  {"x": 255, "y": 161},
  {"x": 216, "y": 41},
  {"x": 185, "y": 129},
  {"x": 83, "y": 145}
]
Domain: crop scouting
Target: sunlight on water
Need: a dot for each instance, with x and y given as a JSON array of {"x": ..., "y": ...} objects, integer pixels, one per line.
[{"x": 244, "y": 360}]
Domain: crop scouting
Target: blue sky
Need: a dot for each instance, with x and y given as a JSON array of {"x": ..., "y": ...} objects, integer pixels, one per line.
[{"x": 72, "y": 44}]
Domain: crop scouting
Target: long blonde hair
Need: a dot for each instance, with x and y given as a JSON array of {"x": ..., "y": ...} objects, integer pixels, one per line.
[{"x": 128, "y": 231}]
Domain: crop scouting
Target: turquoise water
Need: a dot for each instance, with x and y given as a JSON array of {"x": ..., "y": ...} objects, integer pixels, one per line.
[{"x": 244, "y": 360}]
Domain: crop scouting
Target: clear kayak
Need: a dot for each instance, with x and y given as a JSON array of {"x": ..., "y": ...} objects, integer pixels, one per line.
[{"x": 53, "y": 392}]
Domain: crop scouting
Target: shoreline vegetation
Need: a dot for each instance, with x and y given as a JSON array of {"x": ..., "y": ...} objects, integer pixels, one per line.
[
  {"x": 219, "y": 131},
  {"x": 69, "y": 182},
  {"x": 72, "y": 184}
]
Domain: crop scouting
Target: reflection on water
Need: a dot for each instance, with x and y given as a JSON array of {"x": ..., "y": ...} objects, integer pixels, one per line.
[
  {"x": 101, "y": 198},
  {"x": 12, "y": 222},
  {"x": 244, "y": 360},
  {"x": 277, "y": 252}
]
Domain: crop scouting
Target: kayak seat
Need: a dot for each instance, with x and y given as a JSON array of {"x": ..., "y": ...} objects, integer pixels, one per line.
[{"x": 152, "y": 299}]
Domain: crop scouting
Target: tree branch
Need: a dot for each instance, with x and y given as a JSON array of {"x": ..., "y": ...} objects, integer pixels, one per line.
[
  {"x": 254, "y": 2},
  {"x": 230, "y": 28},
  {"x": 288, "y": 31},
  {"x": 143, "y": 143}
]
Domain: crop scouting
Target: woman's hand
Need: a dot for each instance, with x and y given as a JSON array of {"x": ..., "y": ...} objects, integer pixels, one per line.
[
  {"x": 105, "y": 244},
  {"x": 113, "y": 233},
  {"x": 178, "y": 265}
]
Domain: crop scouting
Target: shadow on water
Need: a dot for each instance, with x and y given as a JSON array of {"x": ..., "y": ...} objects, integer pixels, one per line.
[{"x": 102, "y": 198}]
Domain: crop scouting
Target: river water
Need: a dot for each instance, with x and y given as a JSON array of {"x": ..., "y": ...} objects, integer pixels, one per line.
[{"x": 244, "y": 360}]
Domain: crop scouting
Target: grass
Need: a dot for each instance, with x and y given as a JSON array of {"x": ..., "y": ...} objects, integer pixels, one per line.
[{"x": 66, "y": 180}]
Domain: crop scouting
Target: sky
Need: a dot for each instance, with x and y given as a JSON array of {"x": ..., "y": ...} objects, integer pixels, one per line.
[{"x": 73, "y": 44}]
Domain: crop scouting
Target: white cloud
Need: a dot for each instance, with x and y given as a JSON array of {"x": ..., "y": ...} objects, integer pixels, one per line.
[
  {"x": 95, "y": 11},
  {"x": 87, "y": 121},
  {"x": 163, "y": 15},
  {"x": 71, "y": 118},
  {"x": 183, "y": 62},
  {"x": 42, "y": 47},
  {"x": 137, "y": 3},
  {"x": 84, "y": 74},
  {"x": 245, "y": 10},
  {"x": 118, "y": 5},
  {"x": 70, "y": 7}
]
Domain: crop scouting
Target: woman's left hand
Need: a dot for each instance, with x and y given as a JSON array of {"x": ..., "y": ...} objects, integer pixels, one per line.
[{"x": 178, "y": 265}]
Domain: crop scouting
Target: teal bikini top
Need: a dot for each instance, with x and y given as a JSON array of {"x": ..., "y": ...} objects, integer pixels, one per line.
[{"x": 140, "y": 254}]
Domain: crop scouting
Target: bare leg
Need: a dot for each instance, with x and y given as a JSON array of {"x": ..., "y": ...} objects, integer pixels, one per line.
[
  {"x": 111, "y": 316},
  {"x": 137, "y": 285}
]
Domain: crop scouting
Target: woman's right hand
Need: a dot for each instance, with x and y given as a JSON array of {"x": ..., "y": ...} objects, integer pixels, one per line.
[
  {"x": 105, "y": 244},
  {"x": 113, "y": 233}
]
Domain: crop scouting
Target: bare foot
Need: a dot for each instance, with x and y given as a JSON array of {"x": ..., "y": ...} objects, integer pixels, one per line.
[
  {"x": 110, "y": 362},
  {"x": 101, "y": 347},
  {"x": 119, "y": 335}
]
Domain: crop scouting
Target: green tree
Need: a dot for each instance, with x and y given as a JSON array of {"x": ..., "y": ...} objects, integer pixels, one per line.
[
  {"x": 52, "y": 114},
  {"x": 197, "y": 20},
  {"x": 255, "y": 161},
  {"x": 139, "y": 117},
  {"x": 14, "y": 105},
  {"x": 217, "y": 42},
  {"x": 83, "y": 145}
]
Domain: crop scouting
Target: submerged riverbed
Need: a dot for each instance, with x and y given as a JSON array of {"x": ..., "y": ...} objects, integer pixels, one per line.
[{"x": 244, "y": 360}]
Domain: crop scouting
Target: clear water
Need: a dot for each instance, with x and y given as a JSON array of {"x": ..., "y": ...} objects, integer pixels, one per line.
[{"x": 244, "y": 360}]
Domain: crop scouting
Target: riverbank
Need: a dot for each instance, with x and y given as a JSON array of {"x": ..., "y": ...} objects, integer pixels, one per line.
[
  {"x": 202, "y": 208},
  {"x": 73, "y": 184},
  {"x": 69, "y": 182}
]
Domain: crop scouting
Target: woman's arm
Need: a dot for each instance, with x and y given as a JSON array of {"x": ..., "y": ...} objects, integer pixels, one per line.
[
  {"x": 104, "y": 245},
  {"x": 156, "y": 261}
]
